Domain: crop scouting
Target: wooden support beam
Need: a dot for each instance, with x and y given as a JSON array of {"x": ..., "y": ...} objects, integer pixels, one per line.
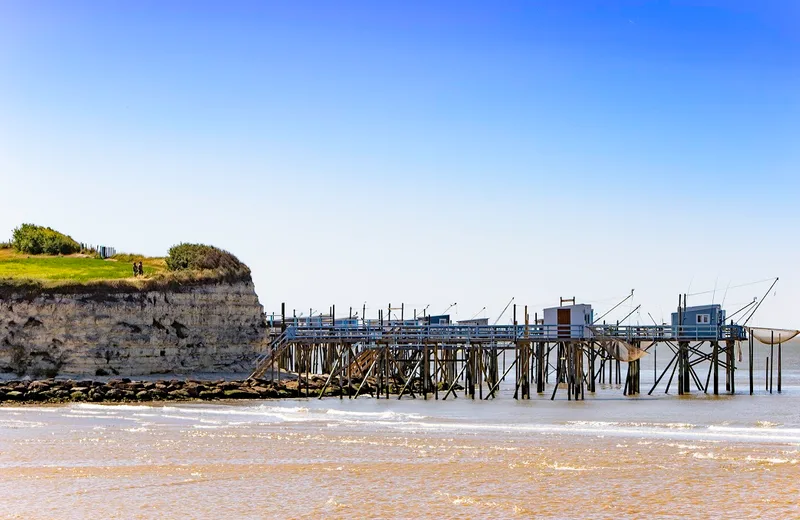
[
  {"x": 779, "y": 367},
  {"x": 328, "y": 382},
  {"x": 364, "y": 380},
  {"x": 750, "y": 368},
  {"x": 409, "y": 380},
  {"x": 497, "y": 384},
  {"x": 453, "y": 384},
  {"x": 715, "y": 361}
]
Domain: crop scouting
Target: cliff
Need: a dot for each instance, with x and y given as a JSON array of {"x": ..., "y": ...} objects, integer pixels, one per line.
[{"x": 201, "y": 327}]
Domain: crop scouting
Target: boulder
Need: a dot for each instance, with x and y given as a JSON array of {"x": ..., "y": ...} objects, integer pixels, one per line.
[
  {"x": 180, "y": 394},
  {"x": 14, "y": 395},
  {"x": 240, "y": 394},
  {"x": 209, "y": 394}
]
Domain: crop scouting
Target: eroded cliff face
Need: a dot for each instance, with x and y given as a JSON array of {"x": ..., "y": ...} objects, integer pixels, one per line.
[{"x": 216, "y": 327}]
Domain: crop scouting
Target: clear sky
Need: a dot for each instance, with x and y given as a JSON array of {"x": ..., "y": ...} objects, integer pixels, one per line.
[{"x": 420, "y": 152}]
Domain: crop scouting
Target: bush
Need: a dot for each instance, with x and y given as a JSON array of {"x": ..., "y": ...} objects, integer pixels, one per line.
[
  {"x": 37, "y": 240},
  {"x": 128, "y": 258},
  {"x": 200, "y": 256}
]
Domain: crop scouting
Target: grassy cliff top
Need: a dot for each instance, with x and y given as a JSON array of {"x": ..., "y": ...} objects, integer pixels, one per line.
[
  {"x": 187, "y": 265},
  {"x": 73, "y": 268}
]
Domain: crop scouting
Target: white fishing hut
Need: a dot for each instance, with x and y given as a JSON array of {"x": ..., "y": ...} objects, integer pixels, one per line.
[{"x": 569, "y": 321}]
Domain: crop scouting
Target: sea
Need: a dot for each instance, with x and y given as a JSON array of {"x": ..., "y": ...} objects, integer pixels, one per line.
[{"x": 609, "y": 456}]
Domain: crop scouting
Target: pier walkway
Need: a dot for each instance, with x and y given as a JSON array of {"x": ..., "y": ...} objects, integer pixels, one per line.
[
  {"x": 404, "y": 357},
  {"x": 411, "y": 335}
]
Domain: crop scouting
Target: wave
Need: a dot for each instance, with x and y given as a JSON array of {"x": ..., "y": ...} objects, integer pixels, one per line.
[
  {"x": 631, "y": 424},
  {"x": 17, "y": 424},
  {"x": 108, "y": 408},
  {"x": 694, "y": 432},
  {"x": 385, "y": 416},
  {"x": 761, "y": 431},
  {"x": 366, "y": 417}
]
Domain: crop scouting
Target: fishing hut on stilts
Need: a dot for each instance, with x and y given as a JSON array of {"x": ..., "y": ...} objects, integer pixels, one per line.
[{"x": 566, "y": 352}]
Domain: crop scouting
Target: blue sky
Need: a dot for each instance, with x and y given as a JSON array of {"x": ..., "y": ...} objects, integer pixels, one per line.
[{"x": 425, "y": 152}]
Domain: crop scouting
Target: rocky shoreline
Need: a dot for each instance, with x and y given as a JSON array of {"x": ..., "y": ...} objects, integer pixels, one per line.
[{"x": 124, "y": 390}]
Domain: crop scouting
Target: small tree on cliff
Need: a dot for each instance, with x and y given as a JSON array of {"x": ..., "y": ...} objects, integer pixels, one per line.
[
  {"x": 198, "y": 257},
  {"x": 37, "y": 240}
]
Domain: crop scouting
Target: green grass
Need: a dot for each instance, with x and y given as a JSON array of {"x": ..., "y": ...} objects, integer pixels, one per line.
[
  {"x": 28, "y": 276},
  {"x": 72, "y": 268}
]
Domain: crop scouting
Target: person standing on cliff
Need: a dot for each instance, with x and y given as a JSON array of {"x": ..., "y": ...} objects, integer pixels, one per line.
[
  {"x": 141, "y": 269},
  {"x": 135, "y": 269}
]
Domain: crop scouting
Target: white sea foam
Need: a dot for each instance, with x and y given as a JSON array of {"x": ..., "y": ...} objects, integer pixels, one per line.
[
  {"x": 563, "y": 467},
  {"x": 110, "y": 408},
  {"x": 461, "y": 417},
  {"x": 93, "y": 411},
  {"x": 696, "y": 433},
  {"x": 28, "y": 409},
  {"x": 20, "y": 424},
  {"x": 771, "y": 460},
  {"x": 703, "y": 456},
  {"x": 239, "y": 415},
  {"x": 276, "y": 413},
  {"x": 384, "y": 416}
]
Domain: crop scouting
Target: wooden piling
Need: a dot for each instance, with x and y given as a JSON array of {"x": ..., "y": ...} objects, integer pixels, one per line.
[
  {"x": 715, "y": 362},
  {"x": 779, "y": 365},
  {"x": 771, "y": 358},
  {"x": 732, "y": 365},
  {"x": 766, "y": 374},
  {"x": 750, "y": 351},
  {"x": 435, "y": 371}
]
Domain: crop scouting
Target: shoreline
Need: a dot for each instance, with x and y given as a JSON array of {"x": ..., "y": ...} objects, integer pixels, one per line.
[{"x": 125, "y": 390}]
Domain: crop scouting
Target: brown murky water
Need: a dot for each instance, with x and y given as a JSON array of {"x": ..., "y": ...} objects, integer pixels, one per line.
[
  {"x": 608, "y": 457},
  {"x": 378, "y": 459}
]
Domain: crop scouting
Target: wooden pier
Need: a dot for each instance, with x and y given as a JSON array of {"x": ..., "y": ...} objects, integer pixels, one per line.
[{"x": 397, "y": 358}]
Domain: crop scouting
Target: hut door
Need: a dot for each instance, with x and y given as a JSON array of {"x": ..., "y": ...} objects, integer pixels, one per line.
[{"x": 564, "y": 320}]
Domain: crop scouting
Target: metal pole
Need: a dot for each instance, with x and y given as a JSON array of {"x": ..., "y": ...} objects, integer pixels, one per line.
[{"x": 750, "y": 345}]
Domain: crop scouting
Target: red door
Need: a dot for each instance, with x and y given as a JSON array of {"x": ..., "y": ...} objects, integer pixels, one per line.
[{"x": 564, "y": 320}]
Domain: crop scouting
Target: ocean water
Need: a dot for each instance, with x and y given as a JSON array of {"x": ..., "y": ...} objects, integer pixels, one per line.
[{"x": 661, "y": 456}]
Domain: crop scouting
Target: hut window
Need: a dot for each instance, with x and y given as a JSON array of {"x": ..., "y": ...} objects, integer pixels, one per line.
[{"x": 703, "y": 319}]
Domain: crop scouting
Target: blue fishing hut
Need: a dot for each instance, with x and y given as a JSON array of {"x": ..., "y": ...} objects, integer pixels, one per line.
[
  {"x": 700, "y": 321},
  {"x": 346, "y": 322},
  {"x": 443, "y": 319}
]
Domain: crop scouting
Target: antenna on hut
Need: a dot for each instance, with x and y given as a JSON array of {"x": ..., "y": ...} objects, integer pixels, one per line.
[
  {"x": 747, "y": 306},
  {"x": 760, "y": 302},
  {"x": 476, "y": 314},
  {"x": 450, "y": 307},
  {"x": 504, "y": 310},
  {"x": 614, "y": 307}
]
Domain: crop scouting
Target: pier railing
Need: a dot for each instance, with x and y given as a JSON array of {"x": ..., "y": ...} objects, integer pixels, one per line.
[{"x": 418, "y": 334}]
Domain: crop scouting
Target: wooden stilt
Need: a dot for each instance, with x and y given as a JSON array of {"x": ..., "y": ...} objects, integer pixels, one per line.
[
  {"x": 715, "y": 362},
  {"x": 435, "y": 370},
  {"x": 771, "y": 358},
  {"x": 779, "y": 366},
  {"x": 732, "y": 364},
  {"x": 750, "y": 351}
]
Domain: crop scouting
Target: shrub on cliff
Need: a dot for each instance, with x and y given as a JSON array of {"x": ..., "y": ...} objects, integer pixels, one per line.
[
  {"x": 198, "y": 257},
  {"x": 37, "y": 240}
]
